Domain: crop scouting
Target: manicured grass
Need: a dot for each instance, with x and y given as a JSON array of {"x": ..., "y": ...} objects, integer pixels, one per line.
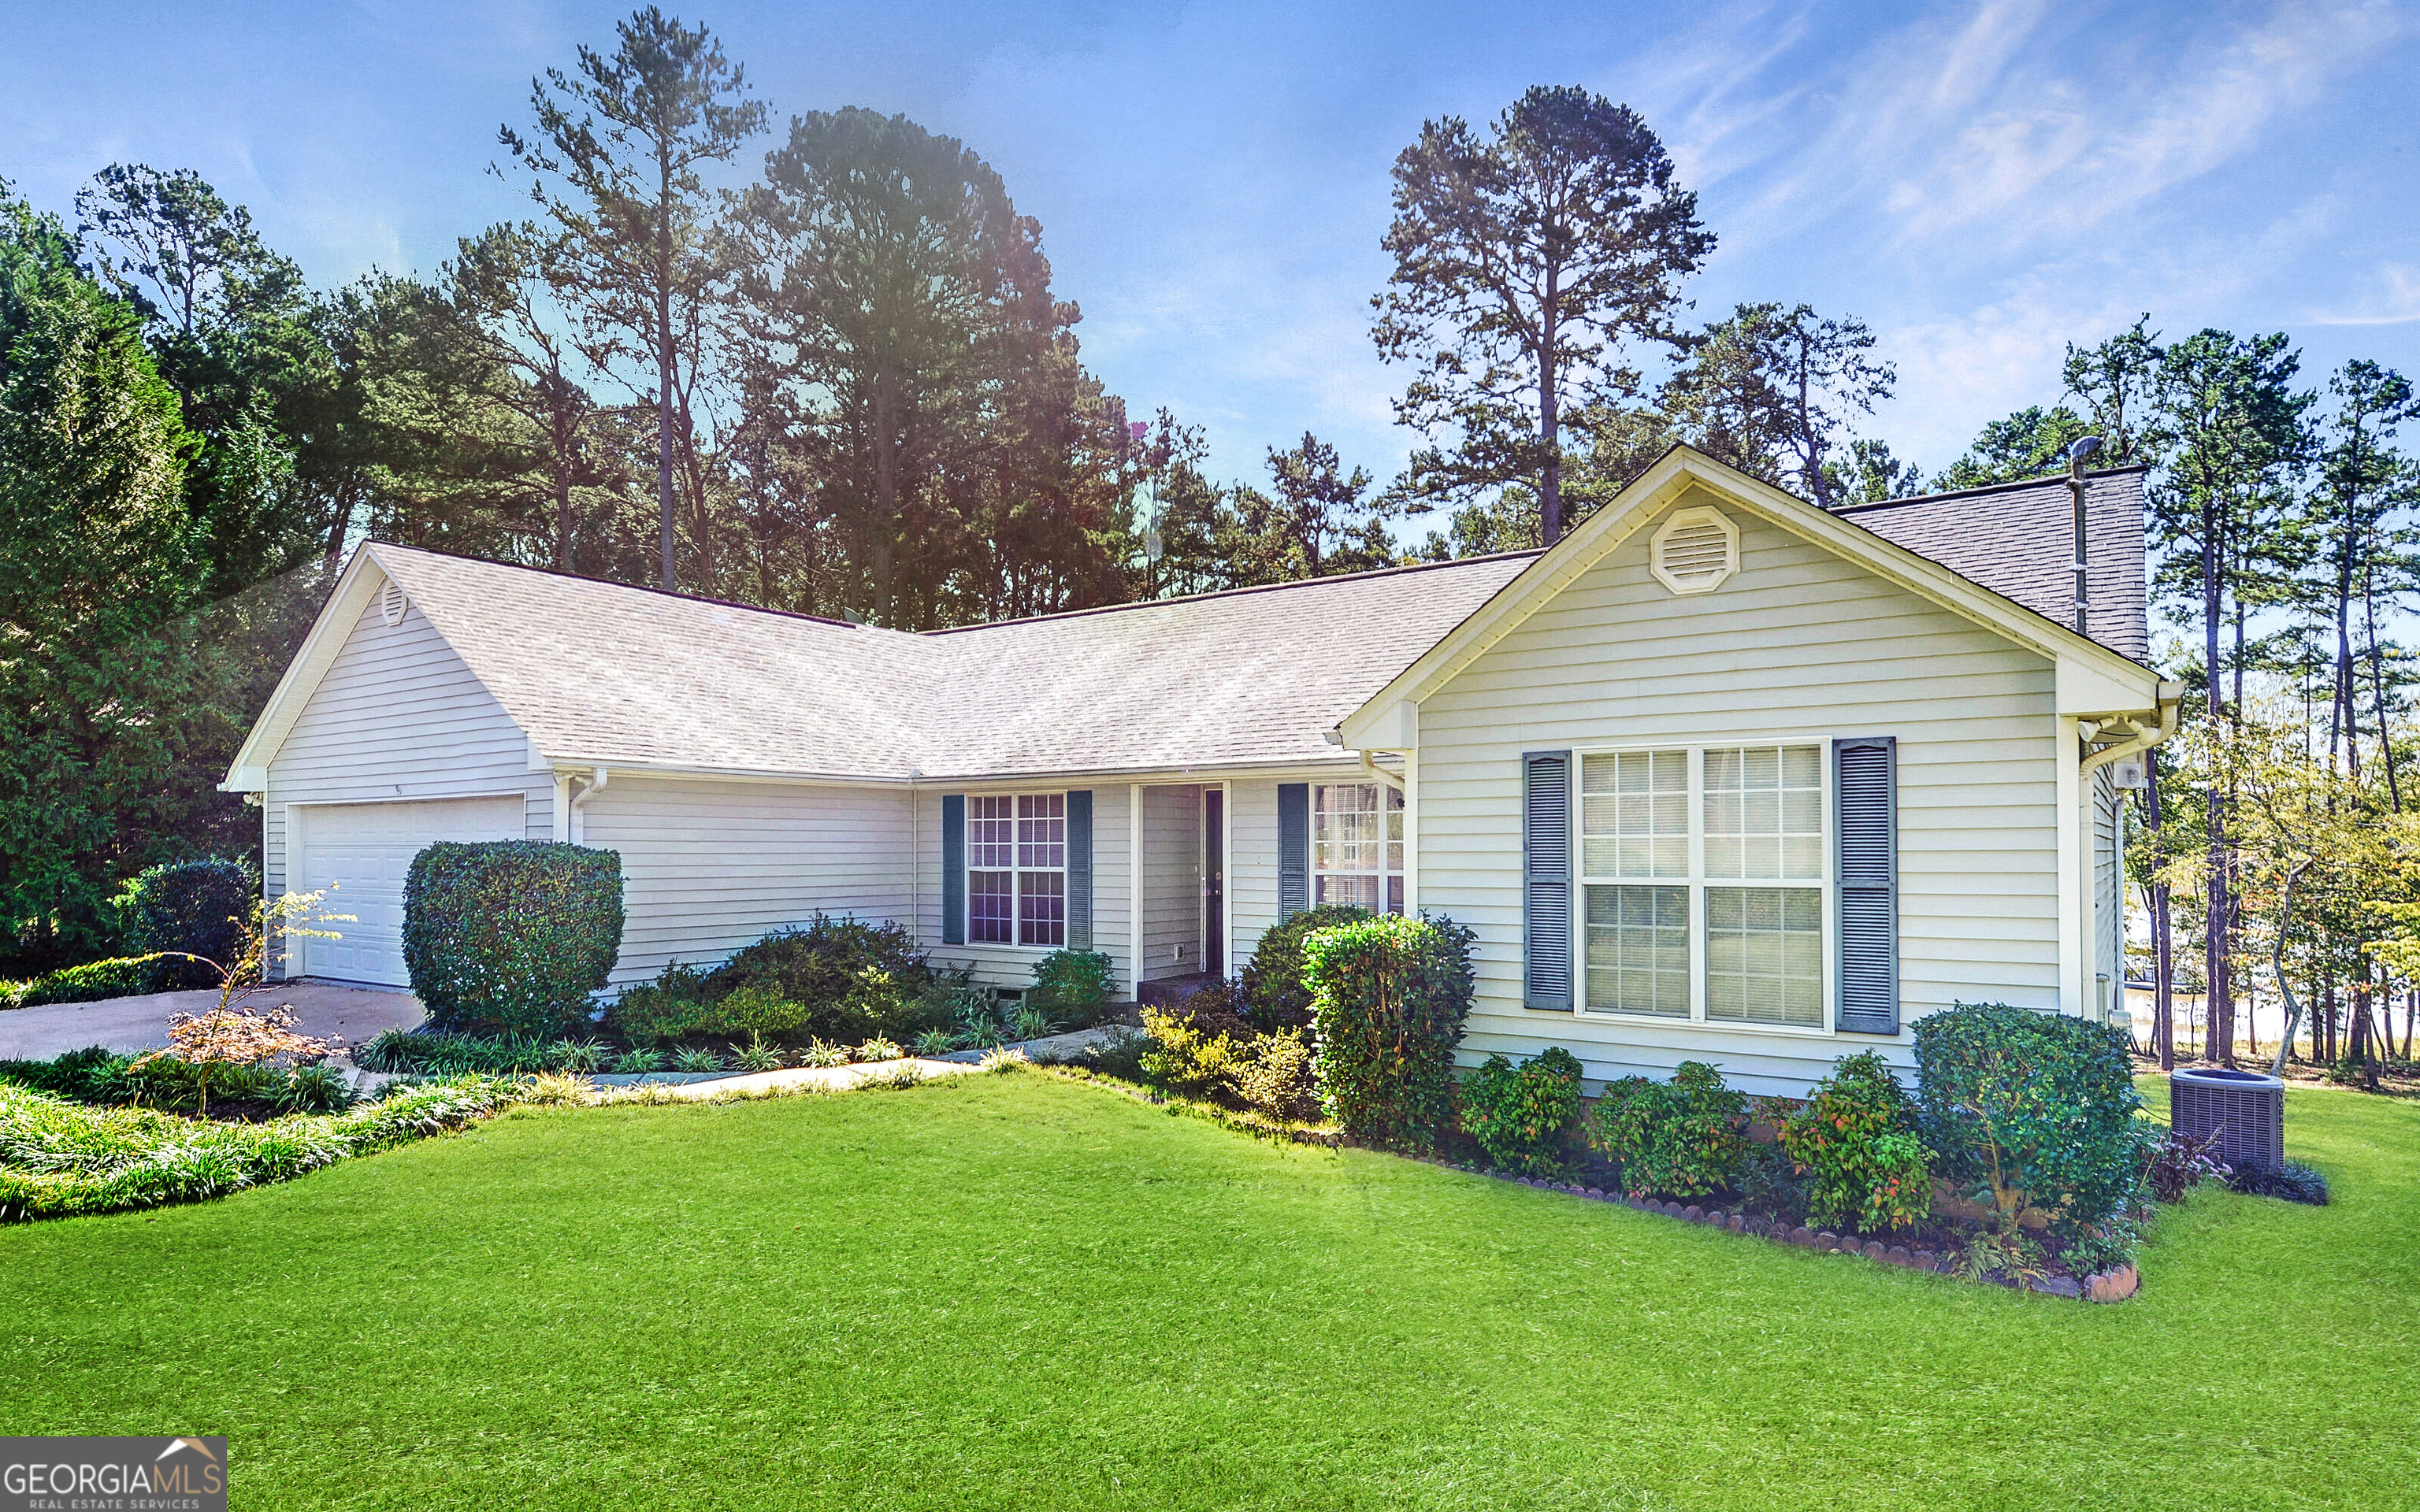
[{"x": 1018, "y": 1292}]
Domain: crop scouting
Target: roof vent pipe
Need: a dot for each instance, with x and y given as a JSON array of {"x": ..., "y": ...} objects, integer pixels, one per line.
[{"x": 2084, "y": 448}]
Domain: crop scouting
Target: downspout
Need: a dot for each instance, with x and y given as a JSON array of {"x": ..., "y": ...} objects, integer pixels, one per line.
[
  {"x": 2171, "y": 697},
  {"x": 580, "y": 801}
]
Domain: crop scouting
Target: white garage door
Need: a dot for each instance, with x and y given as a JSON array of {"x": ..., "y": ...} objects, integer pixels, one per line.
[{"x": 357, "y": 854}]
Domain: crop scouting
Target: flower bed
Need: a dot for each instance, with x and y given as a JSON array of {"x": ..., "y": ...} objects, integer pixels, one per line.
[{"x": 2113, "y": 1285}]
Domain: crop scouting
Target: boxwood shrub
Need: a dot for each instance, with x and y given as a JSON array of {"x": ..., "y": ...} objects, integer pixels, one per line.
[
  {"x": 2028, "y": 1109},
  {"x": 510, "y": 936},
  {"x": 194, "y": 908},
  {"x": 1682, "y": 1138},
  {"x": 1389, "y": 997}
]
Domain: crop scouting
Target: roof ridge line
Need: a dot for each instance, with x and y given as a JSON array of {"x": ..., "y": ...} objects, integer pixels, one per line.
[
  {"x": 635, "y": 588},
  {"x": 1233, "y": 593},
  {"x": 1983, "y": 489}
]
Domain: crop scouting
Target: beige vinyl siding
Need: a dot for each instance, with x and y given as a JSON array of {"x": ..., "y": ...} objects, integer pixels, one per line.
[
  {"x": 1008, "y": 965},
  {"x": 1800, "y": 645},
  {"x": 1171, "y": 881},
  {"x": 397, "y": 715},
  {"x": 709, "y": 866}
]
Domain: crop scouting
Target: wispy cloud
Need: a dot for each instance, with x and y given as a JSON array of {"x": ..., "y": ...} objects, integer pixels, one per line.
[{"x": 2398, "y": 302}]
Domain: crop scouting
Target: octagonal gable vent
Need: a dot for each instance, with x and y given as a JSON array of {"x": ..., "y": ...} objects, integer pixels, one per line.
[
  {"x": 1693, "y": 551},
  {"x": 391, "y": 605}
]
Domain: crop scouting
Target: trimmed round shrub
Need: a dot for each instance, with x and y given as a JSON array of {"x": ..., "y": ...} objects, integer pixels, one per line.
[
  {"x": 1523, "y": 1116},
  {"x": 511, "y": 935},
  {"x": 1389, "y": 997},
  {"x": 2028, "y": 1109},
  {"x": 1274, "y": 997},
  {"x": 859, "y": 979},
  {"x": 1072, "y": 986},
  {"x": 1855, "y": 1139},
  {"x": 200, "y": 908},
  {"x": 1682, "y": 1138}
]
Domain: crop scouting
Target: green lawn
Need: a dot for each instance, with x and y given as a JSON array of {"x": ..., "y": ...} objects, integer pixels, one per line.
[{"x": 1018, "y": 1292}]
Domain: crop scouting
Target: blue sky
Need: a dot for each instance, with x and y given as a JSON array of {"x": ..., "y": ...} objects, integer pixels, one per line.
[{"x": 1980, "y": 182}]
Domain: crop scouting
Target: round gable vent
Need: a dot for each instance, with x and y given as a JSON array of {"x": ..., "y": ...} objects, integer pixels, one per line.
[
  {"x": 1694, "y": 550},
  {"x": 391, "y": 603}
]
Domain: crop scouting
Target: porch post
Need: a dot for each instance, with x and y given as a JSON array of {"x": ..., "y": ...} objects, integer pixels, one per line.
[
  {"x": 1411, "y": 834},
  {"x": 1134, "y": 886},
  {"x": 1227, "y": 880},
  {"x": 2074, "y": 868}
]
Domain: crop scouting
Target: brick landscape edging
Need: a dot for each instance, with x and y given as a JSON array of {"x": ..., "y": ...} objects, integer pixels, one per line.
[{"x": 2106, "y": 1285}]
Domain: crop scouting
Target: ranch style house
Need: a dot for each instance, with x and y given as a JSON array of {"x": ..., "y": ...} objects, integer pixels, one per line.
[{"x": 1720, "y": 776}]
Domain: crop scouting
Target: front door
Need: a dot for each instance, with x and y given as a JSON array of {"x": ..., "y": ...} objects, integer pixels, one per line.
[{"x": 1214, "y": 881}]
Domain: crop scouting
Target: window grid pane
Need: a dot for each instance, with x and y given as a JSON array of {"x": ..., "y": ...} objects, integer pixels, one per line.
[
  {"x": 1042, "y": 908},
  {"x": 1764, "y": 955},
  {"x": 1635, "y": 815},
  {"x": 1639, "y": 950},
  {"x": 1042, "y": 830},
  {"x": 989, "y": 901},
  {"x": 1356, "y": 845},
  {"x": 991, "y": 833},
  {"x": 1765, "y": 813}
]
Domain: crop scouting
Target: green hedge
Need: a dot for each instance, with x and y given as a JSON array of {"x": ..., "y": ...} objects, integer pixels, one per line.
[
  {"x": 1389, "y": 997},
  {"x": 1275, "y": 995},
  {"x": 2030, "y": 1109},
  {"x": 119, "y": 977},
  {"x": 1682, "y": 1138},
  {"x": 511, "y": 935},
  {"x": 200, "y": 908},
  {"x": 1523, "y": 1116}
]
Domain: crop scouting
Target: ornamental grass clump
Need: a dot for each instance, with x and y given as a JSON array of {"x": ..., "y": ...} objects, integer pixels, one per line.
[
  {"x": 1389, "y": 995},
  {"x": 1855, "y": 1142},
  {"x": 2035, "y": 1113},
  {"x": 1680, "y": 1138},
  {"x": 511, "y": 936},
  {"x": 1523, "y": 1116}
]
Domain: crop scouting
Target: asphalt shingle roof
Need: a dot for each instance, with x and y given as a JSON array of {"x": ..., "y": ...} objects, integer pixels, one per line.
[
  {"x": 604, "y": 673},
  {"x": 2018, "y": 540}
]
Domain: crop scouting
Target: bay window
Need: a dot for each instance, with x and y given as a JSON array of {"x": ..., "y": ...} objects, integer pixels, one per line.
[
  {"x": 1356, "y": 845},
  {"x": 1702, "y": 884}
]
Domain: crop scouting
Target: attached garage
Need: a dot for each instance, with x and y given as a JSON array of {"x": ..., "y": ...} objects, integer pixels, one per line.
[{"x": 357, "y": 854}]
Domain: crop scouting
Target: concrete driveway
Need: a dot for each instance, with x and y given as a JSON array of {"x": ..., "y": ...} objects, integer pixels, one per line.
[{"x": 321, "y": 1010}]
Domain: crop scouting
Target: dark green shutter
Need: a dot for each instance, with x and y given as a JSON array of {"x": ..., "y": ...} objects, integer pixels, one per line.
[
  {"x": 953, "y": 869},
  {"x": 1293, "y": 849},
  {"x": 1865, "y": 806},
  {"x": 1079, "y": 868},
  {"x": 1546, "y": 881}
]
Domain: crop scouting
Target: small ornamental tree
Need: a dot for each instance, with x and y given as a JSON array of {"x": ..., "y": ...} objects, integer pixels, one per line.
[
  {"x": 2034, "y": 1110},
  {"x": 1855, "y": 1141},
  {"x": 228, "y": 1036},
  {"x": 1389, "y": 995},
  {"x": 1523, "y": 1116},
  {"x": 511, "y": 935}
]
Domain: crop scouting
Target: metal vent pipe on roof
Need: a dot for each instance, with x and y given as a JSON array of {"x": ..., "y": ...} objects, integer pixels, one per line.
[{"x": 2085, "y": 447}]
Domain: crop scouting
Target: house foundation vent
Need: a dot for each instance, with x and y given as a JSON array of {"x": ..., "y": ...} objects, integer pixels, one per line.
[{"x": 2244, "y": 1108}]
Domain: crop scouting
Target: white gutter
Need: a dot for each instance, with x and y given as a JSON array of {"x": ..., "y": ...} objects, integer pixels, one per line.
[{"x": 2171, "y": 700}]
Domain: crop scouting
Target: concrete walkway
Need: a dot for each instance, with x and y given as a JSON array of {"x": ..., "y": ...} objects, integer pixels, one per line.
[
  {"x": 821, "y": 1078},
  {"x": 321, "y": 1010}
]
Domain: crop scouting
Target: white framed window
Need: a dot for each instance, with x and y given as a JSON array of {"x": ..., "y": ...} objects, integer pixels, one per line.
[
  {"x": 1703, "y": 889},
  {"x": 1016, "y": 868},
  {"x": 1356, "y": 845}
]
